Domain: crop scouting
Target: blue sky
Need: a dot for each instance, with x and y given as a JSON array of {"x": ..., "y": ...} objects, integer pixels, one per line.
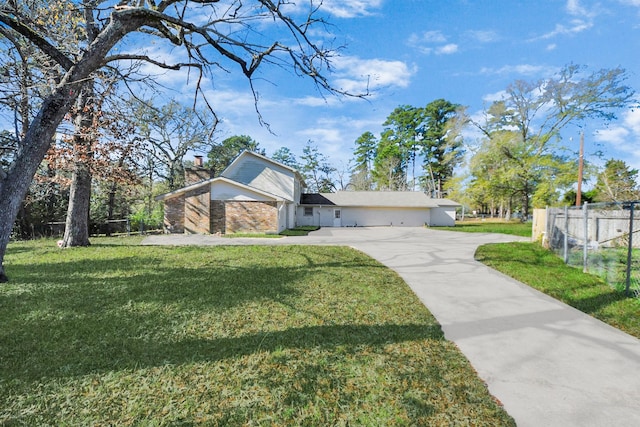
[{"x": 415, "y": 51}]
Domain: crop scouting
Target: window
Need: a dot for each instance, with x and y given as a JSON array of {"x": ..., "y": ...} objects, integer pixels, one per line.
[
  {"x": 336, "y": 214},
  {"x": 308, "y": 211}
]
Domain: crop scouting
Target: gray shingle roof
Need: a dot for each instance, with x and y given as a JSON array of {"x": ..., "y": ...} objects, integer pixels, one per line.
[{"x": 407, "y": 199}]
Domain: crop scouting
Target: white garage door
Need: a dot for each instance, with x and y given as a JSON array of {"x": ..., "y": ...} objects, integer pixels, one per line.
[{"x": 374, "y": 217}]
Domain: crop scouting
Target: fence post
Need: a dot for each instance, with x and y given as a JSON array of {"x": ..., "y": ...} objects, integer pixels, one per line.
[
  {"x": 586, "y": 237},
  {"x": 630, "y": 249},
  {"x": 566, "y": 234},
  {"x": 547, "y": 228}
]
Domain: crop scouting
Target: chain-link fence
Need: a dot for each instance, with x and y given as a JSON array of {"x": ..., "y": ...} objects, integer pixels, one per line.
[{"x": 602, "y": 238}]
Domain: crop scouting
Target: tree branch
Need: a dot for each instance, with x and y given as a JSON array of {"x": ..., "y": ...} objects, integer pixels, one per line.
[
  {"x": 145, "y": 58},
  {"x": 46, "y": 47}
]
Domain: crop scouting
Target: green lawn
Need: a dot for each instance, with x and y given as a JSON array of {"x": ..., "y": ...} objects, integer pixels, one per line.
[
  {"x": 120, "y": 334},
  {"x": 300, "y": 231},
  {"x": 516, "y": 228},
  {"x": 541, "y": 269}
]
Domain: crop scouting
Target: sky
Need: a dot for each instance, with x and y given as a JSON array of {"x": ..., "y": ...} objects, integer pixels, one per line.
[{"x": 411, "y": 52}]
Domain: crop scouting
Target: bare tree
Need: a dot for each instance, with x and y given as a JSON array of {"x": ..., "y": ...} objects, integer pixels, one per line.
[
  {"x": 230, "y": 36},
  {"x": 170, "y": 132}
]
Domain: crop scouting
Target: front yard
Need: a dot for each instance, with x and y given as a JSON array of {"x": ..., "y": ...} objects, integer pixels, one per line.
[
  {"x": 119, "y": 334},
  {"x": 543, "y": 270}
]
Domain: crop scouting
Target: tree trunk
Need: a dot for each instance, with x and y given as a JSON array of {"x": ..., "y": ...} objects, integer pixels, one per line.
[
  {"x": 76, "y": 232},
  {"x": 111, "y": 202},
  {"x": 14, "y": 183}
]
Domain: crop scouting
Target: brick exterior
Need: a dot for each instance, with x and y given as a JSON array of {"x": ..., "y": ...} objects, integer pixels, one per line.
[
  {"x": 197, "y": 211},
  {"x": 251, "y": 217},
  {"x": 218, "y": 217},
  {"x": 174, "y": 215},
  {"x": 196, "y": 174}
]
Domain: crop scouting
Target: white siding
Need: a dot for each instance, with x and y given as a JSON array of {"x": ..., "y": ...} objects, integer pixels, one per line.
[
  {"x": 397, "y": 217},
  {"x": 283, "y": 214},
  {"x": 443, "y": 217},
  {"x": 263, "y": 175},
  {"x": 291, "y": 223},
  {"x": 227, "y": 191},
  {"x": 322, "y": 216},
  {"x": 366, "y": 217}
]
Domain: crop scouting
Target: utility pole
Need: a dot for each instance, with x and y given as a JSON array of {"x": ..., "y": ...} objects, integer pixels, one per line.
[{"x": 580, "y": 166}]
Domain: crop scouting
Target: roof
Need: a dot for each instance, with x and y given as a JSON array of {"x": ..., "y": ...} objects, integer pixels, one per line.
[
  {"x": 267, "y": 159},
  {"x": 405, "y": 199},
  {"x": 208, "y": 182},
  {"x": 199, "y": 184}
]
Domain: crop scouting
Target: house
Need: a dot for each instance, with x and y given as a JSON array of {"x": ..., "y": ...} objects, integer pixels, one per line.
[
  {"x": 257, "y": 194},
  {"x": 253, "y": 194},
  {"x": 375, "y": 208}
]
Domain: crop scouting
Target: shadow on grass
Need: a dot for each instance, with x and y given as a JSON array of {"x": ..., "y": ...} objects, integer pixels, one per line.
[
  {"x": 543, "y": 270},
  {"x": 92, "y": 315},
  {"x": 116, "y": 342}
]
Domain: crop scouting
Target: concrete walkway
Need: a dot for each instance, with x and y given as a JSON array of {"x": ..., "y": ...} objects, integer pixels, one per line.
[{"x": 549, "y": 364}]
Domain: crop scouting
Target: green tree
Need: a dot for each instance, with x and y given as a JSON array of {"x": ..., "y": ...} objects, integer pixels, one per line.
[
  {"x": 221, "y": 155},
  {"x": 286, "y": 157},
  {"x": 402, "y": 140},
  {"x": 316, "y": 169},
  {"x": 522, "y": 131},
  {"x": 617, "y": 183},
  {"x": 364, "y": 155},
  {"x": 389, "y": 165},
  {"x": 441, "y": 143}
]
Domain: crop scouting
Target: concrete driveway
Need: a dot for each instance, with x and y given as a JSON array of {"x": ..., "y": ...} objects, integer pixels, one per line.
[{"x": 549, "y": 364}]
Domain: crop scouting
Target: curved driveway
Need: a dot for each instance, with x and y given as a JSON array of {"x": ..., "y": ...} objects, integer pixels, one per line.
[{"x": 549, "y": 364}]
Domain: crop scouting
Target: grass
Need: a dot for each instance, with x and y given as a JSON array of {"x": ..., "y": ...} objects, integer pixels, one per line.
[
  {"x": 541, "y": 269},
  {"x": 253, "y": 235},
  {"x": 300, "y": 231},
  {"x": 516, "y": 228},
  {"x": 119, "y": 334}
]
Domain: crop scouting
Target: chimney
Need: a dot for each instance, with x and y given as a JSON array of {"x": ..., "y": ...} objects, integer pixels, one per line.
[{"x": 197, "y": 173}]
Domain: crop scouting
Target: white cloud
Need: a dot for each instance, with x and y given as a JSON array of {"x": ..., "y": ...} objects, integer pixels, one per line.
[
  {"x": 624, "y": 137},
  {"x": 582, "y": 20},
  {"x": 617, "y": 136},
  {"x": 317, "y": 101},
  {"x": 492, "y": 97},
  {"x": 575, "y": 26},
  {"x": 325, "y": 135},
  {"x": 483, "y": 36},
  {"x": 432, "y": 42},
  {"x": 635, "y": 3},
  {"x": 356, "y": 75},
  {"x": 351, "y": 8},
  {"x": 522, "y": 69},
  {"x": 575, "y": 8},
  {"x": 427, "y": 37},
  {"x": 447, "y": 49}
]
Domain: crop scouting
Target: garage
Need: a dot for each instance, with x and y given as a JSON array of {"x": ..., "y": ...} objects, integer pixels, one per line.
[{"x": 375, "y": 208}]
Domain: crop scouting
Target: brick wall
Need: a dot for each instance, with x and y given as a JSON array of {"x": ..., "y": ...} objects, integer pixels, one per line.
[
  {"x": 218, "y": 218},
  {"x": 174, "y": 215},
  {"x": 251, "y": 217},
  {"x": 196, "y": 174},
  {"x": 197, "y": 211}
]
